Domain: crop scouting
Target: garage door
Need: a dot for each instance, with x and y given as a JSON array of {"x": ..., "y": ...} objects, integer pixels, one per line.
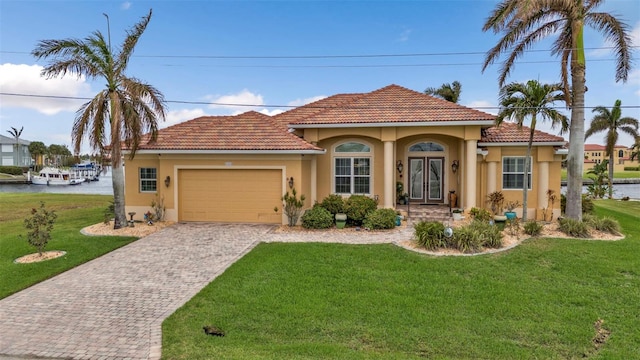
[{"x": 242, "y": 195}]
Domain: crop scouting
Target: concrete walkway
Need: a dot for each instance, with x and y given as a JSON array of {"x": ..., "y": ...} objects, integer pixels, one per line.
[{"x": 113, "y": 307}]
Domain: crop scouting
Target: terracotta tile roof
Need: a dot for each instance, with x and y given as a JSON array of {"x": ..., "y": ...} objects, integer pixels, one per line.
[
  {"x": 303, "y": 112},
  {"x": 594, "y": 147},
  {"x": 247, "y": 131},
  {"x": 390, "y": 104},
  {"x": 509, "y": 132}
]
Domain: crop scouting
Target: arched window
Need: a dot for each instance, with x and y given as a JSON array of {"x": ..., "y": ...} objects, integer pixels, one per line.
[
  {"x": 426, "y": 147},
  {"x": 620, "y": 153},
  {"x": 352, "y": 168}
]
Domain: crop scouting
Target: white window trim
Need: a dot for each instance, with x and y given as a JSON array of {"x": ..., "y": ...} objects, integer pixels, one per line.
[
  {"x": 352, "y": 155},
  {"x": 140, "y": 180},
  {"x": 502, "y": 173}
]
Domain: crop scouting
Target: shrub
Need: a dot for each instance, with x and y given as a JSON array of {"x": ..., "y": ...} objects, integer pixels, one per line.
[
  {"x": 40, "y": 224},
  {"x": 489, "y": 235},
  {"x": 480, "y": 214},
  {"x": 333, "y": 203},
  {"x": 317, "y": 218},
  {"x": 605, "y": 224},
  {"x": 587, "y": 204},
  {"x": 467, "y": 239},
  {"x": 109, "y": 212},
  {"x": 11, "y": 170},
  {"x": 357, "y": 207},
  {"x": 293, "y": 206},
  {"x": 380, "y": 219},
  {"x": 532, "y": 228},
  {"x": 429, "y": 235},
  {"x": 574, "y": 228},
  {"x": 158, "y": 208},
  {"x": 632, "y": 168}
]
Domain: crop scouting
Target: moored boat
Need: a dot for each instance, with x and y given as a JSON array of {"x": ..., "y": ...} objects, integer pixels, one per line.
[
  {"x": 89, "y": 171},
  {"x": 52, "y": 176}
]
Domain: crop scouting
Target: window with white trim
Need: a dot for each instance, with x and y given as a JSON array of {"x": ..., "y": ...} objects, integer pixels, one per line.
[
  {"x": 148, "y": 179},
  {"x": 352, "y": 168},
  {"x": 513, "y": 173}
]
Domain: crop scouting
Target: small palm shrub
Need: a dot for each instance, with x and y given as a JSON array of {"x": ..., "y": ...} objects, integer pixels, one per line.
[
  {"x": 357, "y": 207},
  {"x": 532, "y": 228},
  {"x": 574, "y": 228},
  {"x": 39, "y": 226},
  {"x": 429, "y": 235},
  {"x": 480, "y": 214},
  {"x": 333, "y": 203},
  {"x": 380, "y": 219},
  {"x": 605, "y": 224},
  {"x": 317, "y": 218},
  {"x": 489, "y": 235},
  {"x": 293, "y": 206},
  {"x": 109, "y": 213}
]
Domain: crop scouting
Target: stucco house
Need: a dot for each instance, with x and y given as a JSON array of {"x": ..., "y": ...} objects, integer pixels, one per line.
[
  {"x": 236, "y": 168},
  {"x": 596, "y": 153},
  {"x": 13, "y": 154}
]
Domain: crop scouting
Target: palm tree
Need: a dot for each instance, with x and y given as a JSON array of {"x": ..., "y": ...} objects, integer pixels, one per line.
[
  {"x": 450, "y": 92},
  {"x": 123, "y": 111},
  {"x": 37, "y": 149},
  {"x": 611, "y": 122},
  {"x": 635, "y": 149},
  {"x": 521, "y": 101},
  {"x": 525, "y": 22},
  {"x": 16, "y": 135}
]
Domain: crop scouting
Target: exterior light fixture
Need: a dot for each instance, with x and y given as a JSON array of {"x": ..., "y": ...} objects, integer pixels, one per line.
[
  {"x": 454, "y": 166},
  {"x": 291, "y": 182},
  {"x": 167, "y": 181},
  {"x": 399, "y": 166}
]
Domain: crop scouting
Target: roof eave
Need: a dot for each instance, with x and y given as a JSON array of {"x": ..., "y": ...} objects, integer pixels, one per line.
[
  {"x": 523, "y": 143},
  {"x": 393, "y": 124},
  {"x": 211, "y": 151}
]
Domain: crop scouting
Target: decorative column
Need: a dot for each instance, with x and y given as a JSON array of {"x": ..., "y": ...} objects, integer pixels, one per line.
[
  {"x": 471, "y": 165},
  {"x": 543, "y": 186},
  {"x": 314, "y": 179},
  {"x": 388, "y": 174},
  {"x": 491, "y": 176}
]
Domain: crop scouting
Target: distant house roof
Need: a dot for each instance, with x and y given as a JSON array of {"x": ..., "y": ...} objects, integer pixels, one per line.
[
  {"x": 510, "y": 133},
  {"x": 247, "y": 132},
  {"x": 12, "y": 140},
  {"x": 392, "y": 105}
]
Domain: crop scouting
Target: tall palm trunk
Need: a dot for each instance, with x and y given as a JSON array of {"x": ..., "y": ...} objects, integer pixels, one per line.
[
  {"x": 575, "y": 160},
  {"x": 117, "y": 167},
  {"x": 527, "y": 160},
  {"x": 611, "y": 174}
]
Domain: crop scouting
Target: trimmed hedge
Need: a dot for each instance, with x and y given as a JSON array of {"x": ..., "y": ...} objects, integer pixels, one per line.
[
  {"x": 317, "y": 218},
  {"x": 632, "y": 168},
  {"x": 357, "y": 207},
  {"x": 380, "y": 219},
  {"x": 12, "y": 170},
  {"x": 333, "y": 203}
]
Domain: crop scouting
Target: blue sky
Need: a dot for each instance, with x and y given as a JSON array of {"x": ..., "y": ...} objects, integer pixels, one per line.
[{"x": 193, "y": 51}]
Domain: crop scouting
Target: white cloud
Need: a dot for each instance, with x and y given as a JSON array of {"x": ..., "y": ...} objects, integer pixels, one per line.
[
  {"x": 300, "y": 102},
  {"x": 271, "y": 112},
  {"x": 635, "y": 35},
  {"x": 125, "y": 5},
  {"x": 26, "y": 79},
  {"x": 484, "y": 106},
  {"x": 404, "y": 36},
  {"x": 233, "y": 102},
  {"x": 177, "y": 116}
]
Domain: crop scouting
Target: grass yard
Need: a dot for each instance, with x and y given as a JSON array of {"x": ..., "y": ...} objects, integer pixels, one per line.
[
  {"x": 331, "y": 301},
  {"x": 616, "y": 175},
  {"x": 74, "y": 213}
]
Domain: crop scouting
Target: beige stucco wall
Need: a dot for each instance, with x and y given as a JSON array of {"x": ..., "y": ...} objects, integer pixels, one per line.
[
  {"x": 169, "y": 164},
  {"x": 534, "y": 204}
]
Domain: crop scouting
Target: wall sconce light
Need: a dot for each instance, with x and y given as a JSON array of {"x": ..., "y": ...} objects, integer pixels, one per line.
[
  {"x": 291, "y": 182},
  {"x": 399, "y": 166},
  {"x": 454, "y": 166},
  {"x": 167, "y": 181}
]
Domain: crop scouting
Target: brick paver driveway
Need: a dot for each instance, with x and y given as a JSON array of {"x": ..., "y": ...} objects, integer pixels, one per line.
[{"x": 113, "y": 307}]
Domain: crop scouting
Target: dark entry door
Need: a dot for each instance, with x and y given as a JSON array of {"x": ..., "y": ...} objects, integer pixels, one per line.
[{"x": 426, "y": 179}]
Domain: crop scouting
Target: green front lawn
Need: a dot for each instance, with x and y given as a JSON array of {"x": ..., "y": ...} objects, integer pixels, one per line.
[
  {"x": 74, "y": 213},
  {"x": 331, "y": 301},
  {"x": 616, "y": 175}
]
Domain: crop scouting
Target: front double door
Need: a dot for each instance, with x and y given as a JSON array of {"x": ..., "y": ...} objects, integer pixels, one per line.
[{"x": 426, "y": 180}]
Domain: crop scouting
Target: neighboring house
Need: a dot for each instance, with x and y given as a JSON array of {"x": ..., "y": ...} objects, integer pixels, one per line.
[
  {"x": 10, "y": 156},
  {"x": 595, "y": 154},
  {"x": 236, "y": 168}
]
